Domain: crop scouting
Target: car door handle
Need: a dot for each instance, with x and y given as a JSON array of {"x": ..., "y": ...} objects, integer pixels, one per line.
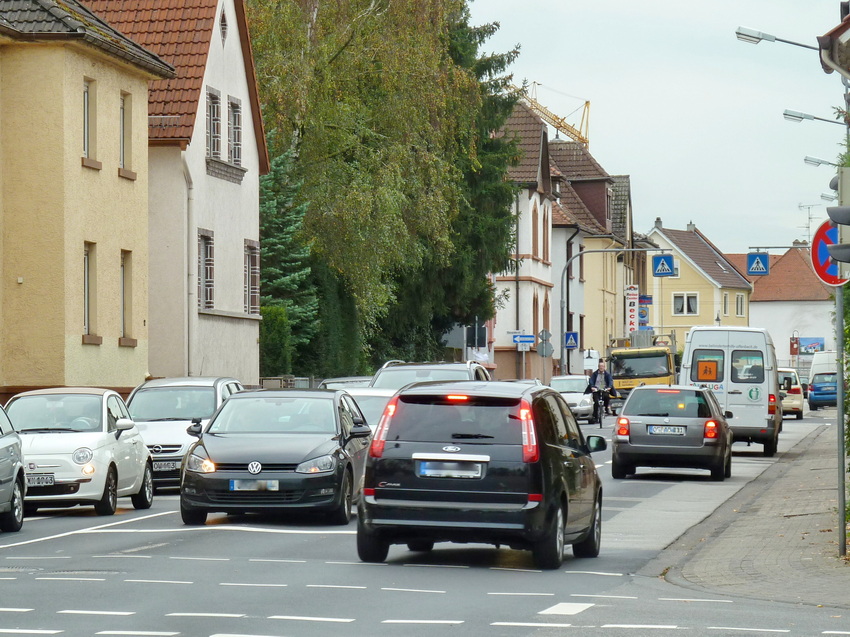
[{"x": 736, "y": 391}]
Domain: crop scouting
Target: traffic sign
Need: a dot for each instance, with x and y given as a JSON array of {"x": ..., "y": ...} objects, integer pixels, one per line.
[
  {"x": 758, "y": 264},
  {"x": 545, "y": 349},
  {"x": 544, "y": 334},
  {"x": 662, "y": 265},
  {"x": 571, "y": 340},
  {"x": 826, "y": 269},
  {"x": 523, "y": 338},
  {"x": 523, "y": 347}
]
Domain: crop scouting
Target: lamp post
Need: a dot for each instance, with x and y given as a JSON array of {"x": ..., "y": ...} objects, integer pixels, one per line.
[
  {"x": 751, "y": 36},
  {"x": 797, "y": 116}
]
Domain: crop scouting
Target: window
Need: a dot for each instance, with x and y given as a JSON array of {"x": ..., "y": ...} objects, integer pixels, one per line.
[
  {"x": 213, "y": 124},
  {"x": 739, "y": 305},
  {"x": 223, "y": 27},
  {"x": 685, "y": 304},
  {"x": 534, "y": 231},
  {"x": 206, "y": 269},
  {"x": 707, "y": 366},
  {"x": 89, "y": 288},
  {"x": 725, "y": 304},
  {"x": 545, "y": 236},
  {"x": 747, "y": 366},
  {"x": 88, "y": 96},
  {"x": 126, "y": 292},
  {"x": 234, "y": 131},
  {"x": 581, "y": 264},
  {"x": 123, "y": 129},
  {"x": 252, "y": 277}
]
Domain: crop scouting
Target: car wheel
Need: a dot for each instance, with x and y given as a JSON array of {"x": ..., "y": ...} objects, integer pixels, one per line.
[
  {"x": 12, "y": 520},
  {"x": 770, "y": 448},
  {"x": 370, "y": 548},
  {"x": 718, "y": 471},
  {"x": 192, "y": 516},
  {"x": 109, "y": 500},
  {"x": 589, "y": 546},
  {"x": 144, "y": 498},
  {"x": 799, "y": 415},
  {"x": 727, "y": 471},
  {"x": 813, "y": 407},
  {"x": 619, "y": 471},
  {"x": 342, "y": 513},
  {"x": 421, "y": 546},
  {"x": 549, "y": 551}
]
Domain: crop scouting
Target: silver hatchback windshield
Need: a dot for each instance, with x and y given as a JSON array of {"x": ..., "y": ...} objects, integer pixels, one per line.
[{"x": 172, "y": 403}]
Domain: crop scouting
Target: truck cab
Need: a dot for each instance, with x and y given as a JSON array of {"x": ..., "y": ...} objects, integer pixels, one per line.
[{"x": 634, "y": 366}]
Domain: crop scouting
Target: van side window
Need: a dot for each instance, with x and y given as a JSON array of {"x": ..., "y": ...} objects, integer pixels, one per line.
[
  {"x": 747, "y": 366},
  {"x": 707, "y": 366}
]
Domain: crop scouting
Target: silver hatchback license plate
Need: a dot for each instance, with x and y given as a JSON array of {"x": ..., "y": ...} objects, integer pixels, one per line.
[
  {"x": 435, "y": 469},
  {"x": 40, "y": 480},
  {"x": 665, "y": 430}
]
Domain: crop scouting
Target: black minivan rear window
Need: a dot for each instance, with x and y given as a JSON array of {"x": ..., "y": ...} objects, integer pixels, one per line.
[{"x": 471, "y": 418}]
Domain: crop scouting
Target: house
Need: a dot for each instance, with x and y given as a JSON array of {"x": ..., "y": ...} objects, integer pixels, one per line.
[
  {"x": 791, "y": 302},
  {"x": 207, "y": 151},
  {"x": 705, "y": 289},
  {"x": 74, "y": 198}
]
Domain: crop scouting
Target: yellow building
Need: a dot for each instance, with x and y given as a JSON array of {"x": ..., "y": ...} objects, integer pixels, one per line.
[
  {"x": 705, "y": 289},
  {"x": 74, "y": 198}
]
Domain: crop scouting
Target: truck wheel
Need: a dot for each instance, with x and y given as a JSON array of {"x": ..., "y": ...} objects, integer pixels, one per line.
[{"x": 770, "y": 448}]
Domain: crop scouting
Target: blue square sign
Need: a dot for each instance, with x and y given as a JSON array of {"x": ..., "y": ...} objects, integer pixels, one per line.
[
  {"x": 662, "y": 265},
  {"x": 570, "y": 340},
  {"x": 758, "y": 264}
]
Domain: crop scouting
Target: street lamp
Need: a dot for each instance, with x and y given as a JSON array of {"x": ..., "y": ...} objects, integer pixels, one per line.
[
  {"x": 752, "y": 36},
  {"x": 797, "y": 116},
  {"x": 828, "y": 197},
  {"x": 816, "y": 161}
]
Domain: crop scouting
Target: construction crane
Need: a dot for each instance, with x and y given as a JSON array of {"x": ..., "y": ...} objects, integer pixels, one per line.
[{"x": 579, "y": 134}]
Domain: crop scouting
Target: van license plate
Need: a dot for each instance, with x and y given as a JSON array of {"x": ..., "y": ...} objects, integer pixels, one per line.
[
  {"x": 666, "y": 430},
  {"x": 433, "y": 469}
]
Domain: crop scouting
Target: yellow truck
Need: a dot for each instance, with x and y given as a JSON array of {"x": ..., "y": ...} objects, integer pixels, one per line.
[{"x": 633, "y": 366}]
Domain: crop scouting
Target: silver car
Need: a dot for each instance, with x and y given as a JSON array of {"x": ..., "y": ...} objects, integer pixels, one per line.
[
  {"x": 572, "y": 388},
  {"x": 13, "y": 484},
  {"x": 672, "y": 426}
]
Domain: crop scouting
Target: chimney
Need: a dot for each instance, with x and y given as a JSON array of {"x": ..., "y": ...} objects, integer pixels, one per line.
[
  {"x": 658, "y": 223},
  {"x": 691, "y": 226}
]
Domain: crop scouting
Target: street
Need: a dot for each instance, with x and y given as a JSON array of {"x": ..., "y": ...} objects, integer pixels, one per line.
[{"x": 145, "y": 573}]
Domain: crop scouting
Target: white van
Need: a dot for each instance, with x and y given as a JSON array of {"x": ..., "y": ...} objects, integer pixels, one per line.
[
  {"x": 739, "y": 365},
  {"x": 823, "y": 362}
]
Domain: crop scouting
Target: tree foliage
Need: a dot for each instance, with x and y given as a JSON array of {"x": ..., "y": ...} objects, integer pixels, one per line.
[{"x": 275, "y": 342}]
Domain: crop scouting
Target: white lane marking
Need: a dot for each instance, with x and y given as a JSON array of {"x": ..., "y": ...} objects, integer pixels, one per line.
[
  {"x": 132, "y": 557},
  {"x": 526, "y": 594},
  {"x": 565, "y": 608},
  {"x": 594, "y": 573},
  {"x": 281, "y": 561},
  {"x": 96, "y": 612},
  {"x": 38, "y": 557},
  {"x": 710, "y": 601},
  {"x": 8, "y": 578},
  {"x": 93, "y": 529},
  {"x": 219, "y": 527},
  {"x": 642, "y": 626},
  {"x": 411, "y": 590},
  {"x": 514, "y": 570},
  {"x": 435, "y": 565},
  {"x": 749, "y": 630},
  {"x": 450, "y": 622},
  {"x": 334, "y": 586},
  {"x": 834, "y": 632},
  {"x": 337, "y": 620},
  {"x": 15, "y": 610},
  {"x": 201, "y": 559},
  {"x": 74, "y": 579},
  {"x": 235, "y": 635},
  {"x": 604, "y": 596},
  {"x": 157, "y": 581},
  {"x": 24, "y": 631},
  {"x": 139, "y": 633},
  {"x": 252, "y": 584},
  {"x": 224, "y": 615},
  {"x": 531, "y": 625}
]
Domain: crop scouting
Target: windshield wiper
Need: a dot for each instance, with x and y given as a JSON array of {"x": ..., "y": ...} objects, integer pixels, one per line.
[
  {"x": 656, "y": 415},
  {"x": 164, "y": 419},
  {"x": 467, "y": 436},
  {"x": 48, "y": 429}
]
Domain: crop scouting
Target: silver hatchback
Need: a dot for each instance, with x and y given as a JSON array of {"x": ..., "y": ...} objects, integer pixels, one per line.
[{"x": 672, "y": 426}]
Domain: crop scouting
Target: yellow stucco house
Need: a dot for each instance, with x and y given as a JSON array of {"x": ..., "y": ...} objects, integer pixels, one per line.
[
  {"x": 705, "y": 289},
  {"x": 74, "y": 199}
]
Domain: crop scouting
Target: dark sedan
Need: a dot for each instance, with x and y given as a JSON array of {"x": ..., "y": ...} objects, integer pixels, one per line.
[{"x": 273, "y": 451}]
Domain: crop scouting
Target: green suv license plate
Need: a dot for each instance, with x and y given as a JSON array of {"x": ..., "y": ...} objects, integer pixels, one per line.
[
  {"x": 666, "y": 430},
  {"x": 439, "y": 469}
]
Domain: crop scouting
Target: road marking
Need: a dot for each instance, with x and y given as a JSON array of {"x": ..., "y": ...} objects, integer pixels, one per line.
[
  {"x": 74, "y": 579},
  {"x": 411, "y": 590},
  {"x": 565, "y": 608},
  {"x": 334, "y": 586},
  {"x": 23, "y": 631},
  {"x": 15, "y": 610},
  {"x": 252, "y": 584},
  {"x": 710, "y": 601},
  {"x": 83, "y": 531},
  {"x": 96, "y": 612},
  {"x": 224, "y": 615},
  {"x": 435, "y": 565},
  {"x": 594, "y": 573},
  {"x": 523, "y": 594},
  {"x": 604, "y": 596},
  {"x": 642, "y": 626},
  {"x": 336, "y": 620},
  {"x": 139, "y": 633},
  {"x": 531, "y": 625},
  {"x": 39, "y": 557},
  {"x": 451, "y": 622},
  {"x": 749, "y": 630},
  {"x": 157, "y": 581},
  {"x": 201, "y": 559},
  {"x": 132, "y": 557},
  {"x": 514, "y": 570},
  {"x": 281, "y": 561}
]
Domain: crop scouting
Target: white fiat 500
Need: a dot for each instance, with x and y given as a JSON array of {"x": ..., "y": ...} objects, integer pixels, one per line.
[{"x": 80, "y": 447}]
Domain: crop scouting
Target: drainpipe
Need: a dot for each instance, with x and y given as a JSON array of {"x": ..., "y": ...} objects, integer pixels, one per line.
[
  {"x": 565, "y": 307},
  {"x": 191, "y": 312},
  {"x": 519, "y": 371}
]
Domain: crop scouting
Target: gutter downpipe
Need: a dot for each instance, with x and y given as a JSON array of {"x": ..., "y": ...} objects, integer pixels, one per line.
[
  {"x": 191, "y": 315},
  {"x": 518, "y": 369},
  {"x": 565, "y": 303}
]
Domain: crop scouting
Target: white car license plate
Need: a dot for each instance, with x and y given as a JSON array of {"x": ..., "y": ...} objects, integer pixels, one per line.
[
  {"x": 254, "y": 485},
  {"x": 666, "y": 430},
  {"x": 166, "y": 465},
  {"x": 40, "y": 480},
  {"x": 433, "y": 469}
]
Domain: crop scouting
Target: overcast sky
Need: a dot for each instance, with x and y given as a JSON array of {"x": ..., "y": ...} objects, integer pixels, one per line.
[{"x": 692, "y": 114}]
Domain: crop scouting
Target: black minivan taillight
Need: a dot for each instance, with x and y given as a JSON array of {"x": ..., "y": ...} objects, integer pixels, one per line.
[
  {"x": 530, "y": 449},
  {"x": 376, "y": 449}
]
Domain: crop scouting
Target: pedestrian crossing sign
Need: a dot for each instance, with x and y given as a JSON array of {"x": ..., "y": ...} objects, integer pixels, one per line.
[
  {"x": 570, "y": 340},
  {"x": 758, "y": 264},
  {"x": 662, "y": 265}
]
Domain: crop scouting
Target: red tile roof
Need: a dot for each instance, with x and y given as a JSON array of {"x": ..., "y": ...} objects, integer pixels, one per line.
[
  {"x": 575, "y": 161},
  {"x": 180, "y": 31},
  {"x": 531, "y": 133},
  {"x": 792, "y": 278}
]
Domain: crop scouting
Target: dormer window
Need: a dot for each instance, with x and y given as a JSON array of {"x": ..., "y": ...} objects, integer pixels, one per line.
[{"x": 223, "y": 26}]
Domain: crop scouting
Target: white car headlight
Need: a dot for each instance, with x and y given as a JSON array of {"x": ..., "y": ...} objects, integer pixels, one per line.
[
  {"x": 585, "y": 401},
  {"x": 82, "y": 455},
  {"x": 322, "y": 464},
  {"x": 199, "y": 464}
]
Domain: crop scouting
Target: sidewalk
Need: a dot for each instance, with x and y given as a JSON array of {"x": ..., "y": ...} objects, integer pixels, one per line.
[{"x": 776, "y": 539}]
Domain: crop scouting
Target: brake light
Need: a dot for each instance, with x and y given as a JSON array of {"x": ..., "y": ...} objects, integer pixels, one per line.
[
  {"x": 795, "y": 390},
  {"x": 771, "y": 403},
  {"x": 376, "y": 449},
  {"x": 535, "y": 497},
  {"x": 368, "y": 491},
  {"x": 711, "y": 430},
  {"x": 622, "y": 426},
  {"x": 456, "y": 397},
  {"x": 669, "y": 391},
  {"x": 530, "y": 450}
]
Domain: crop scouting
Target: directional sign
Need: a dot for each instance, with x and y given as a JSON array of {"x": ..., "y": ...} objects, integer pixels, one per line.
[
  {"x": 570, "y": 340},
  {"x": 826, "y": 269},
  {"x": 662, "y": 265},
  {"x": 523, "y": 338},
  {"x": 758, "y": 264}
]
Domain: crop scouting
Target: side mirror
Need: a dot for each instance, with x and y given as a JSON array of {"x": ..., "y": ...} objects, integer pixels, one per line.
[
  {"x": 728, "y": 414},
  {"x": 787, "y": 384},
  {"x": 194, "y": 429},
  {"x": 358, "y": 420},
  {"x": 596, "y": 443},
  {"x": 360, "y": 430},
  {"x": 123, "y": 424}
]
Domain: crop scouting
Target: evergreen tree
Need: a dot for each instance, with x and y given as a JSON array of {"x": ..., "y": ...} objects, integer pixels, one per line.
[{"x": 275, "y": 342}]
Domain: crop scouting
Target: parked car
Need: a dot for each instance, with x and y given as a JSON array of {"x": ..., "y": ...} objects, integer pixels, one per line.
[
  {"x": 13, "y": 483},
  {"x": 371, "y": 401},
  {"x": 822, "y": 391},
  {"x": 81, "y": 448},
  {"x": 273, "y": 451},
  {"x": 344, "y": 382},
  {"x": 675, "y": 426},
  {"x": 397, "y": 374},
  {"x": 572, "y": 389},
  {"x": 492, "y": 462},
  {"x": 162, "y": 409},
  {"x": 790, "y": 392}
]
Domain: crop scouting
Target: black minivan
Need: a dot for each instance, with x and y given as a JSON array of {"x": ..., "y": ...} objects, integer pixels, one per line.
[{"x": 492, "y": 462}]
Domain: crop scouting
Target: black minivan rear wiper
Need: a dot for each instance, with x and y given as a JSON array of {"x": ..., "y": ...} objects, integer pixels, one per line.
[{"x": 467, "y": 436}]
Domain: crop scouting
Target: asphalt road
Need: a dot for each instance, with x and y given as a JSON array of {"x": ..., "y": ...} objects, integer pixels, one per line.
[{"x": 71, "y": 572}]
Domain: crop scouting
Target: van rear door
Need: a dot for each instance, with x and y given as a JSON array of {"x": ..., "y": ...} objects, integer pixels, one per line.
[{"x": 748, "y": 387}]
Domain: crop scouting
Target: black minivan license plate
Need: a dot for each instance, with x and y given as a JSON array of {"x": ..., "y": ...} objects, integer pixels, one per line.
[{"x": 442, "y": 469}]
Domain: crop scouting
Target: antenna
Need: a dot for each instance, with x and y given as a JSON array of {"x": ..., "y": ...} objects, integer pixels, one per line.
[{"x": 808, "y": 226}]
